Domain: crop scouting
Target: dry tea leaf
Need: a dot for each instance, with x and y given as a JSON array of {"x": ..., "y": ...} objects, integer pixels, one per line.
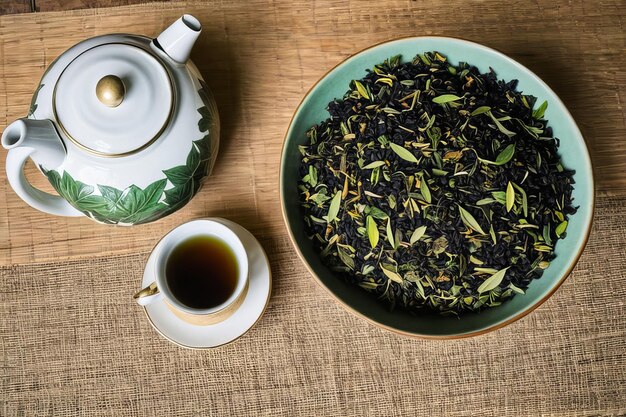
[
  {"x": 374, "y": 164},
  {"x": 417, "y": 234},
  {"x": 506, "y": 155},
  {"x": 392, "y": 275},
  {"x": 425, "y": 191},
  {"x": 345, "y": 258},
  {"x": 538, "y": 114},
  {"x": 470, "y": 221},
  {"x": 333, "y": 209},
  {"x": 493, "y": 281},
  {"x": 372, "y": 231},
  {"x": 446, "y": 98},
  {"x": 362, "y": 90},
  {"x": 499, "y": 125},
  {"x": 390, "y": 233},
  {"x": 561, "y": 228},
  {"x": 524, "y": 198},
  {"x": 480, "y": 110},
  {"x": 510, "y": 197},
  {"x": 403, "y": 152}
]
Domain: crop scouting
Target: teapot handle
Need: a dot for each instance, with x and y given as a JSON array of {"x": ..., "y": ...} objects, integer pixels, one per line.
[{"x": 38, "y": 199}]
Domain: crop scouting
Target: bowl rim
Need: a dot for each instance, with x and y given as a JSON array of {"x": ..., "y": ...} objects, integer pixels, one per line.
[{"x": 410, "y": 334}]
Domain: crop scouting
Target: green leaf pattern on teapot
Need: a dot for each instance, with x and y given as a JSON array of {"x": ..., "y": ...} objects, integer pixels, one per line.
[{"x": 135, "y": 205}]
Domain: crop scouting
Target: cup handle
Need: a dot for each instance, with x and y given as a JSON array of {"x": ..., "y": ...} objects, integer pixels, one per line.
[{"x": 148, "y": 295}]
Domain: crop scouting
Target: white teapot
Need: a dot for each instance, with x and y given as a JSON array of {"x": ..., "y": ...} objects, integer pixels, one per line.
[{"x": 123, "y": 126}]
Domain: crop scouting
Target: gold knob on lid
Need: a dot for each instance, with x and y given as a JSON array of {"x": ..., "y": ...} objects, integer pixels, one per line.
[{"x": 110, "y": 90}]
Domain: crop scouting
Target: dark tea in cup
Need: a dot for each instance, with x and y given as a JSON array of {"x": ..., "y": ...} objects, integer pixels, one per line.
[{"x": 201, "y": 272}]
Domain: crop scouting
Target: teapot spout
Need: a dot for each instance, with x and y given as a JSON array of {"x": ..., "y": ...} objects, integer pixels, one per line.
[
  {"x": 40, "y": 137},
  {"x": 178, "y": 39},
  {"x": 38, "y": 140}
]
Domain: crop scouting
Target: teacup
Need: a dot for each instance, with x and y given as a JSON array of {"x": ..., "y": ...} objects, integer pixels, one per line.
[{"x": 159, "y": 290}]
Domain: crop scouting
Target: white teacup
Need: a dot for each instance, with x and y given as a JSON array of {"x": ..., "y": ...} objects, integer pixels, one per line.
[{"x": 159, "y": 290}]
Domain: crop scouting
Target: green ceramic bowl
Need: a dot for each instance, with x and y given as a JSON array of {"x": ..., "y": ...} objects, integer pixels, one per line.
[{"x": 573, "y": 152}]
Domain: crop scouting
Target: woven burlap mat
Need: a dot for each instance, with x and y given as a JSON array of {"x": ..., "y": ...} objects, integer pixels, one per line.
[{"x": 73, "y": 343}]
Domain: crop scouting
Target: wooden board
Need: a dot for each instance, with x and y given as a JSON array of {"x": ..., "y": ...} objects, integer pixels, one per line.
[
  {"x": 261, "y": 57},
  {"x": 15, "y": 6},
  {"x": 27, "y": 6},
  {"x": 57, "y": 5}
]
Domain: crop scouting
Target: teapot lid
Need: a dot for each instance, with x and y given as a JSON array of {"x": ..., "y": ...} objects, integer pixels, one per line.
[{"x": 113, "y": 100}]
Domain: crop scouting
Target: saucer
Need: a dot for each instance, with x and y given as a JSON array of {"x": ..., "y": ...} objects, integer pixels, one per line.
[{"x": 203, "y": 337}]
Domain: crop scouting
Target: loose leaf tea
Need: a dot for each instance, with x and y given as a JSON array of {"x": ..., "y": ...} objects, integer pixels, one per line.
[{"x": 435, "y": 187}]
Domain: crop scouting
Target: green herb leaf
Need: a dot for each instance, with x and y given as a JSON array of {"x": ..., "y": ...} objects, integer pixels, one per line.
[
  {"x": 446, "y": 98},
  {"x": 440, "y": 245},
  {"x": 425, "y": 191},
  {"x": 561, "y": 228},
  {"x": 499, "y": 125},
  {"x": 480, "y": 110},
  {"x": 470, "y": 221},
  {"x": 516, "y": 289},
  {"x": 390, "y": 234},
  {"x": 485, "y": 201},
  {"x": 502, "y": 158},
  {"x": 420, "y": 289},
  {"x": 376, "y": 213},
  {"x": 475, "y": 260},
  {"x": 546, "y": 234},
  {"x": 361, "y": 89},
  {"x": 311, "y": 177},
  {"x": 493, "y": 281},
  {"x": 375, "y": 175},
  {"x": 372, "y": 231},
  {"x": 392, "y": 275},
  {"x": 538, "y": 114},
  {"x": 333, "y": 209},
  {"x": 374, "y": 164},
  {"x": 397, "y": 239},
  {"x": 417, "y": 234},
  {"x": 403, "y": 153},
  {"x": 485, "y": 270},
  {"x": 524, "y": 198},
  {"x": 506, "y": 155},
  {"x": 510, "y": 197},
  {"x": 500, "y": 196},
  {"x": 319, "y": 198},
  {"x": 367, "y": 269},
  {"x": 345, "y": 258}
]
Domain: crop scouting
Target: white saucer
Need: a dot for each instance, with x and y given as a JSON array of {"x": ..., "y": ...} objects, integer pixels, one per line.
[{"x": 202, "y": 337}]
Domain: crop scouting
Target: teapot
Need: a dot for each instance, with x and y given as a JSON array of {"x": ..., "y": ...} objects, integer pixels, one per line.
[{"x": 123, "y": 127}]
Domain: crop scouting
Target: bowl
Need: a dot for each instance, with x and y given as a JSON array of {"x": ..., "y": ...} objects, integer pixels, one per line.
[{"x": 572, "y": 150}]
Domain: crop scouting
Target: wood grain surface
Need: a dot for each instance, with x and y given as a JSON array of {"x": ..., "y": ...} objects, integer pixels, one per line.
[
  {"x": 260, "y": 58},
  {"x": 15, "y": 6},
  {"x": 27, "y": 6},
  {"x": 58, "y": 5}
]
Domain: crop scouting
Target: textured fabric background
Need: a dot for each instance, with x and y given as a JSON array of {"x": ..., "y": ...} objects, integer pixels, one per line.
[{"x": 73, "y": 343}]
